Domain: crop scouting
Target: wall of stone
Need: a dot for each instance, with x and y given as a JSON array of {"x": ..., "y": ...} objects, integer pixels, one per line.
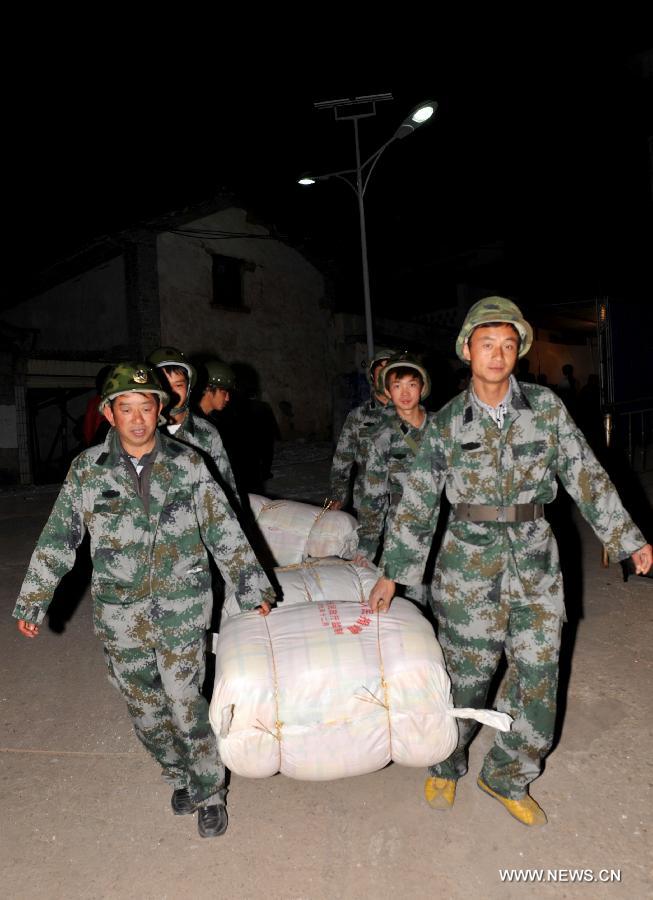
[{"x": 284, "y": 330}]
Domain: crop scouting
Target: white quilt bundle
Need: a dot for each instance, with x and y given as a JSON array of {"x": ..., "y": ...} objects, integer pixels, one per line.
[
  {"x": 321, "y": 580},
  {"x": 317, "y": 580},
  {"x": 296, "y": 531},
  {"x": 329, "y": 689}
]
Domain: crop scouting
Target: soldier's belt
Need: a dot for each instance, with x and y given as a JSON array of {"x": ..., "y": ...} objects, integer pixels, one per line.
[{"x": 521, "y": 512}]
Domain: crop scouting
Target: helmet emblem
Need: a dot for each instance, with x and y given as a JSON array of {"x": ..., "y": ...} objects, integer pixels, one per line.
[{"x": 140, "y": 376}]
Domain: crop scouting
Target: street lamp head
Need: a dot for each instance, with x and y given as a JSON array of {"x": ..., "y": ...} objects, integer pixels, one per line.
[
  {"x": 422, "y": 113},
  {"x": 306, "y": 179}
]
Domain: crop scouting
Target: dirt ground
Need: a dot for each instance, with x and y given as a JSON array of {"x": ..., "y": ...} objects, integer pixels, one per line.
[{"x": 86, "y": 815}]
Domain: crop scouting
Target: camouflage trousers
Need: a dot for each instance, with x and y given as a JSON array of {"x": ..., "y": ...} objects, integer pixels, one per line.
[
  {"x": 162, "y": 686},
  {"x": 418, "y": 593},
  {"x": 486, "y": 619}
]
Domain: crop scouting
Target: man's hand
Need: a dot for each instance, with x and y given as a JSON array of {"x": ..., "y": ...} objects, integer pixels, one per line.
[
  {"x": 643, "y": 559},
  {"x": 29, "y": 629},
  {"x": 360, "y": 560},
  {"x": 382, "y": 594},
  {"x": 264, "y": 608}
]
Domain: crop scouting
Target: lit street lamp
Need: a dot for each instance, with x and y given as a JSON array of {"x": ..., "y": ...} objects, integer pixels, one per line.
[{"x": 358, "y": 178}]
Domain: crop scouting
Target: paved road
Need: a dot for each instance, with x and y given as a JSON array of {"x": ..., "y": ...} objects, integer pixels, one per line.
[{"x": 85, "y": 815}]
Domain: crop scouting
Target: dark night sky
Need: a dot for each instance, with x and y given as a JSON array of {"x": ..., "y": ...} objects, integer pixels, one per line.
[{"x": 540, "y": 145}]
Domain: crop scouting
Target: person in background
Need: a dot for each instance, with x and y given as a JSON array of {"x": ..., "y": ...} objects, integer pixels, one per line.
[
  {"x": 392, "y": 447},
  {"x": 567, "y": 388},
  {"x": 351, "y": 450},
  {"x": 184, "y": 425},
  {"x": 218, "y": 381}
]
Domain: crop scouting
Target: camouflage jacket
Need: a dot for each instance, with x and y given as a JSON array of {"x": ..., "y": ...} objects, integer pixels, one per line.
[
  {"x": 200, "y": 434},
  {"x": 464, "y": 451},
  {"x": 160, "y": 558},
  {"x": 352, "y": 449},
  {"x": 391, "y": 448}
]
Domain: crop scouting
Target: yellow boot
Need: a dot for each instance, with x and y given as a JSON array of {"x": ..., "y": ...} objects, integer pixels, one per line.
[
  {"x": 440, "y": 792},
  {"x": 526, "y": 810}
]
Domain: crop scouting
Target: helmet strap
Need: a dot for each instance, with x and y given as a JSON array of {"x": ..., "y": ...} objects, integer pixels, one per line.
[{"x": 178, "y": 410}]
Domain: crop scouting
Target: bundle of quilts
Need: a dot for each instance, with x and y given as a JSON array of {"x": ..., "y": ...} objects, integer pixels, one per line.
[
  {"x": 321, "y": 580},
  {"x": 324, "y": 690},
  {"x": 297, "y": 531}
]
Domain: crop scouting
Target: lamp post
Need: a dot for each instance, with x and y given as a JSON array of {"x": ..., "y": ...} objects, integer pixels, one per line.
[{"x": 358, "y": 178}]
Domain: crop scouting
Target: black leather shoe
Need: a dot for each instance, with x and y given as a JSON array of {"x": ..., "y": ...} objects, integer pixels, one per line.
[
  {"x": 181, "y": 802},
  {"x": 212, "y": 821}
]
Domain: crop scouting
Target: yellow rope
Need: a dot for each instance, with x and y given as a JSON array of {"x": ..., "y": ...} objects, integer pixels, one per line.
[
  {"x": 262, "y": 727},
  {"x": 385, "y": 703},
  {"x": 371, "y": 699},
  {"x": 313, "y": 563},
  {"x": 384, "y": 683},
  {"x": 278, "y": 725},
  {"x": 363, "y": 599},
  {"x": 325, "y": 508}
]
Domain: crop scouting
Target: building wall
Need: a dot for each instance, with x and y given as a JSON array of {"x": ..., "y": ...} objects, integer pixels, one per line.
[
  {"x": 284, "y": 332},
  {"x": 86, "y": 314}
]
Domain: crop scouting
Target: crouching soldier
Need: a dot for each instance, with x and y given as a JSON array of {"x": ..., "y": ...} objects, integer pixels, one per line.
[
  {"x": 187, "y": 427},
  {"x": 351, "y": 449},
  {"x": 152, "y": 510},
  {"x": 498, "y": 447},
  {"x": 391, "y": 448}
]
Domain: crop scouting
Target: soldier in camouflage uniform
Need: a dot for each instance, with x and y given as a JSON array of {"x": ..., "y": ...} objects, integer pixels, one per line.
[
  {"x": 191, "y": 429},
  {"x": 392, "y": 447},
  {"x": 351, "y": 449},
  {"x": 497, "y": 448},
  {"x": 218, "y": 382},
  {"x": 152, "y": 510}
]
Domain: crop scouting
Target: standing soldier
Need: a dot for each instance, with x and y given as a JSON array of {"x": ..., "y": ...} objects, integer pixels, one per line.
[
  {"x": 187, "y": 427},
  {"x": 498, "y": 448},
  {"x": 392, "y": 447},
  {"x": 152, "y": 510},
  {"x": 218, "y": 383},
  {"x": 352, "y": 444}
]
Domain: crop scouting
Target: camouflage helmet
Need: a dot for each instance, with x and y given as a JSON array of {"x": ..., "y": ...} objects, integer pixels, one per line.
[
  {"x": 495, "y": 309},
  {"x": 130, "y": 378},
  {"x": 404, "y": 360},
  {"x": 219, "y": 375},
  {"x": 380, "y": 353},
  {"x": 170, "y": 356}
]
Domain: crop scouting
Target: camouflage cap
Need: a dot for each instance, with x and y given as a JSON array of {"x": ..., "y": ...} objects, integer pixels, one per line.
[
  {"x": 219, "y": 375},
  {"x": 380, "y": 353},
  {"x": 404, "y": 360},
  {"x": 170, "y": 356},
  {"x": 130, "y": 378},
  {"x": 495, "y": 309}
]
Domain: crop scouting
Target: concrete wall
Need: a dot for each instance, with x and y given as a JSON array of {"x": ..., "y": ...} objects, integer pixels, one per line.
[
  {"x": 284, "y": 332},
  {"x": 86, "y": 314}
]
